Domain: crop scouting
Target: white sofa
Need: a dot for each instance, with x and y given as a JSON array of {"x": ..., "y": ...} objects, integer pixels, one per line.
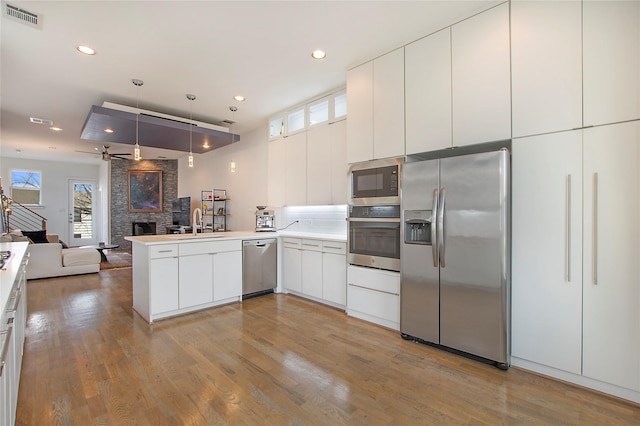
[{"x": 51, "y": 260}]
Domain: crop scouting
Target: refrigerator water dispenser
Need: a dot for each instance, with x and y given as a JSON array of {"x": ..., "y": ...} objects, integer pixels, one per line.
[{"x": 417, "y": 226}]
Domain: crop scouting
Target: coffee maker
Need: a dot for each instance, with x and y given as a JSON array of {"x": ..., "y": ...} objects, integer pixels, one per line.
[{"x": 265, "y": 219}]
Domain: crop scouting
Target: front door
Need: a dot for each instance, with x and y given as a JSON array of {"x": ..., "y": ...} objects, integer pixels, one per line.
[{"x": 82, "y": 213}]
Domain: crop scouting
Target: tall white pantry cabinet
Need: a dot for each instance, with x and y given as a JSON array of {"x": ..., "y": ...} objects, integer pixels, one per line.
[{"x": 576, "y": 191}]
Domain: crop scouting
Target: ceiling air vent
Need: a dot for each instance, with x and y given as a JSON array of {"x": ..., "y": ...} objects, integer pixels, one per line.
[
  {"x": 43, "y": 121},
  {"x": 22, "y": 15}
]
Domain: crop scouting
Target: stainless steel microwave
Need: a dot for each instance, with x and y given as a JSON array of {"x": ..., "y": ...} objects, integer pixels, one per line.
[{"x": 375, "y": 182}]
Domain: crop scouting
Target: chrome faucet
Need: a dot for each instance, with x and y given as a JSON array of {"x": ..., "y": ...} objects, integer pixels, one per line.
[{"x": 196, "y": 220}]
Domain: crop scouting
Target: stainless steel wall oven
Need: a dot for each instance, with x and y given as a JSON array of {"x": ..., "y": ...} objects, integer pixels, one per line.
[{"x": 374, "y": 236}]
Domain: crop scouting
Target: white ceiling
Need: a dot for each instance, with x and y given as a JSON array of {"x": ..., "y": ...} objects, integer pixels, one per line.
[{"x": 213, "y": 49}]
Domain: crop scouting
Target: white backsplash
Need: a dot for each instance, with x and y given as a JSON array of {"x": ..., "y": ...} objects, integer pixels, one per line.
[{"x": 316, "y": 219}]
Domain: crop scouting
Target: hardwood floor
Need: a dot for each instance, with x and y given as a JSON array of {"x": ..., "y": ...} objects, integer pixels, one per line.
[{"x": 271, "y": 360}]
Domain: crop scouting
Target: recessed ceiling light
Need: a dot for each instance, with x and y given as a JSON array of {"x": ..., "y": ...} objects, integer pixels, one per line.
[
  {"x": 55, "y": 129},
  {"x": 239, "y": 98},
  {"x": 86, "y": 50},
  {"x": 108, "y": 130},
  {"x": 318, "y": 54}
]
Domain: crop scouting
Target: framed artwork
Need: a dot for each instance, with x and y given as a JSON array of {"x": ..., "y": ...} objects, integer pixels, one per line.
[{"x": 145, "y": 191}]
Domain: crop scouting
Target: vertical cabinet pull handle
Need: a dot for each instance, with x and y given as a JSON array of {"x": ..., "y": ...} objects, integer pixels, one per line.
[
  {"x": 441, "y": 246},
  {"x": 568, "y": 226},
  {"x": 434, "y": 233},
  {"x": 595, "y": 228}
]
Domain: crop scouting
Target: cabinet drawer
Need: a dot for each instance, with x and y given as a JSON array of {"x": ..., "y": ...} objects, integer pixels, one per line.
[
  {"x": 292, "y": 243},
  {"x": 374, "y": 279},
  {"x": 201, "y": 247},
  {"x": 167, "y": 250},
  {"x": 336, "y": 247},
  {"x": 375, "y": 304},
  {"x": 209, "y": 247},
  {"x": 312, "y": 245}
]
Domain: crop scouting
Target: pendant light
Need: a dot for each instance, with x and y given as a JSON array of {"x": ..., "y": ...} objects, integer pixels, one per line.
[
  {"x": 233, "y": 139},
  {"x": 136, "y": 148},
  {"x": 191, "y": 98}
]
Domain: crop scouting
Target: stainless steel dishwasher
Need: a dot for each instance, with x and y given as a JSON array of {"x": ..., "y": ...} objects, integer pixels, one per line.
[{"x": 259, "y": 267}]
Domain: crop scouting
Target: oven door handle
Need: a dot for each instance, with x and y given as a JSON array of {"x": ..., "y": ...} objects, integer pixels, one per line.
[
  {"x": 434, "y": 232},
  {"x": 374, "y": 219}
]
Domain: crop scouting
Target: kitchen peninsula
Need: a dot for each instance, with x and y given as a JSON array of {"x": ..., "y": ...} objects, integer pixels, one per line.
[{"x": 176, "y": 274}]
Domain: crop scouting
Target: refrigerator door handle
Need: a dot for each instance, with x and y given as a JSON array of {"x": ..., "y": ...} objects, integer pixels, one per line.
[
  {"x": 434, "y": 232},
  {"x": 441, "y": 227}
]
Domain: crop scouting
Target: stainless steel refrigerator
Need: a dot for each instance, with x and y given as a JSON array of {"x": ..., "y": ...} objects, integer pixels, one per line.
[{"x": 455, "y": 256}]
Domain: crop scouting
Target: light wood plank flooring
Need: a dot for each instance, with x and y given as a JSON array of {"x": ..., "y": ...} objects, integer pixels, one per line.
[{"x": 272, "y": 360}]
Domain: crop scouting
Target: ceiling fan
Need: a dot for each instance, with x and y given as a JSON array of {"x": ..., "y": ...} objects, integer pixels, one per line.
[{"x": 106, "y": 155}]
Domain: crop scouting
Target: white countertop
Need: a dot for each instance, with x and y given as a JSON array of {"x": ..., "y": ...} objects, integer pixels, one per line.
[
  {"x": 10, "y": 272},
  {"x": 231, "y": 235}
]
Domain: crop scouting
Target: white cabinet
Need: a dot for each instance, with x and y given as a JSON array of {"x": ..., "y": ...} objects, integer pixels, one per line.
[
  {"x": 195, "y": 278},
  {"x": 227, "y": 275},
  {"x": 292, "y": 264},
  {"x": 375, "y": 93},
  {"x": 428, "y": 93},
  {"x": 316, "y": 269},
  {"x": 296, "y": 169},
  {"x": 611, "y": 44},
  {"x": 546, "y": 294},
  {"x": 339, "y": 165},
  {"x": 611, "y": 272},
  {"x": 12, "y": 334},
  {"x": 388, "y": 105},
  {"x": 312, "y": 268},
  {"x": 374, "y": 295},
  {"x": 481, "y": 77},
  {"x": 163, "y": 279},
  {"x": 318, "y": 163},
  {"x": 173, "y": 279},
  {"x": 360, "y": 123},
  {"x": 546, "y": 61},
  {"x": 334, "y": 272},
  {"x": 575, "y": 271},
  {"x": 276, "y": 172}
]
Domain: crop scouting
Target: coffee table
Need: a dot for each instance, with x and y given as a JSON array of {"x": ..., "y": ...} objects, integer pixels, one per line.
[{"x": 100, "y": 248}]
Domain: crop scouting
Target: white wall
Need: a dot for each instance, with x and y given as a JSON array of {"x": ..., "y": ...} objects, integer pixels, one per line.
[
  {"x": 247, "y": 187},
  {"x": 55, "y": 188}
]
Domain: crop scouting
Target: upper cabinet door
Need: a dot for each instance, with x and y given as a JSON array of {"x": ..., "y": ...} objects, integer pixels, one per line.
[
  {"x": 360, "y": 104},
  {"x": 428, "y": 93},
  {"x": 611, "y": 61},
  {"x": 296, "y": 170},
  {"x": 388, "y": 105},
  {"x": 339, "y": 166},
  {"x": 318, "y": 165},
  {"x": 481, "y": 78},
  {"x": 546, "y": 60},
  {"x": 276, "y": 177}
]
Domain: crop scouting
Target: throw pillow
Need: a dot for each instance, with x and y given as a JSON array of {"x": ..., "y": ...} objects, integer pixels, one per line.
[
  {"x": 5, "y": 238},
  {"x": 36, "y": 236}
]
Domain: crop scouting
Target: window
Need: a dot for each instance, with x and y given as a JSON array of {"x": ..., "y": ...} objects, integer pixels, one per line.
[
  {"x": 319, "y": 112},
  {"x": 25, "y": 186},
  {"x": 295, "y": 120},
  {"x": 340, "y": 105},
  {"x": 276, "y": 127}
]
